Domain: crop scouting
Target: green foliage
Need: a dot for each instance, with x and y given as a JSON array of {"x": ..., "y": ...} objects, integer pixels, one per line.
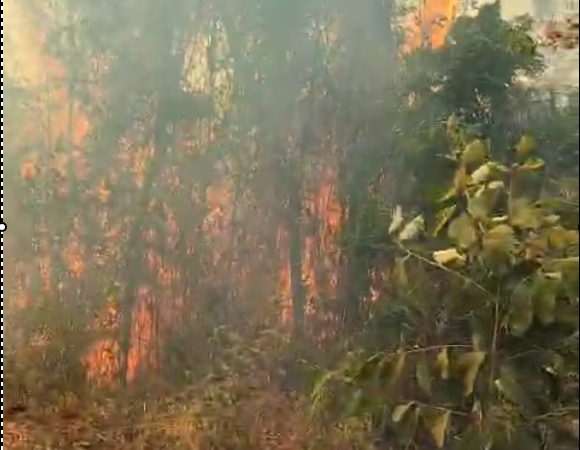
[
  {"x": 502, "y": 379},
  {"x": 473, "y": 78}
]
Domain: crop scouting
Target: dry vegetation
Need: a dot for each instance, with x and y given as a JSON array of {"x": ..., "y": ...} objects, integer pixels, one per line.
[{"x": 236, "y": 409}]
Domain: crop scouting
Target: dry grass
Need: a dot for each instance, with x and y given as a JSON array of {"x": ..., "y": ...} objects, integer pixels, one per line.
[{"x": 262, "y": 420}]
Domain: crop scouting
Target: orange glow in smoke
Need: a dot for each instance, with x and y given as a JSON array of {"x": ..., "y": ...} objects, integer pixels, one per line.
[
  {"x": 320, "y": 265},
  {"x": 430, "y": 24}
]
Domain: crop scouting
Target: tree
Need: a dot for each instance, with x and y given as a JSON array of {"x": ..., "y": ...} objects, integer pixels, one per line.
[
  {"x": 478, "y": 278},
  {"x": 499, "y": 368}
]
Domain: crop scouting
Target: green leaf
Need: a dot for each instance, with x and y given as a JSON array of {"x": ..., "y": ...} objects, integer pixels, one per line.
[
  {"x": 443, "y": 218},
  {"x": 398, "y": 368},
  {"x": 562, "y": 239},
  {"x": 533, "y": 164},
  {"x": 552, "y": 219},
  {"x": 501, "y": 238},
  {"x": 461, "y": 180},
  {"x": 524, "y": 214},
  {"x": 482, "y": 174},
  {"x": 496, "y": 185},
  {"x": 391, "y": 368},
  {"x": 566, "y": 264},
  {"x": 525, "y": 146},
  {"x": 423, "y": 376},
  {"x": 462, "y": 231},
  {"x": 442, "y": 363},
  {"x": 569, "y": 268},
  {"x": 545, "y": 293},
  {"x": 500, "y": 220},
  {"x": 397, "y": 221},
  {"x": 413, "y": 230},
  {"x": 449, "y": 194},
  {"x": 453, "y": 126},
  {"x": 475, "y": 153},
  {"x": 521, "y": 314},
  {"x": 449, "y": 256},
  {"x": 400, "y": 411},
  {"x": 484, "y": 201},
  {"x": 437, "y": 422},
  {"x": 470, "y": 364},
  {"x": 499, "y": 170},
  {"x": 480, "y": 206}
]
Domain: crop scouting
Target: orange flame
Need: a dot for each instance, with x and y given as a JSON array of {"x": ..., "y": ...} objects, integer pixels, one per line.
[{"x": 430, "y": 24}]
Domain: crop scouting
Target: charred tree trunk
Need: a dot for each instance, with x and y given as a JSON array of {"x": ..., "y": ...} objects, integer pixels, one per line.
[{"x": 134, "y": 250}]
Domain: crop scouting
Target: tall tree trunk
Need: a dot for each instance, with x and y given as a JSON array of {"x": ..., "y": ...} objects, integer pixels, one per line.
[
  {"x": 295, "y": 257},
  {"x": 134, "y": 251}
]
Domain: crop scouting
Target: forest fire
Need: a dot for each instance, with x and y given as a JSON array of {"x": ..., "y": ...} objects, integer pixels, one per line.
[
  {"x": 320, "y": 255},
  {"x": 259, "y": 224}
]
